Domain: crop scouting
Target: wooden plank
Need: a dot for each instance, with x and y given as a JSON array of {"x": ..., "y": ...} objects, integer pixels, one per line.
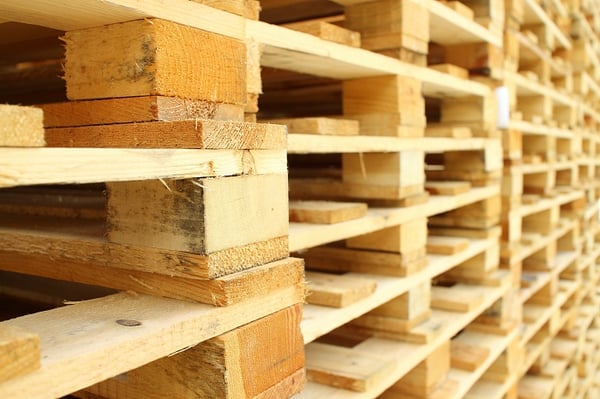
[
  {"x": 66, "y": 16},
  {"x": 319, "y": 125},
  {"x": 198, "y": 215},
  {"x": 135, "y": 109},
  {"x": 441, "y": 245},
  {"x": 205, "y": 134},
  {"x": 246, "y": 8},
  {"x": 91, "y": 165},
  {"x": 326, "y": 212},
  {"x": 143, "y": 57},
  {"x": 242, "y": 363},
  {"x": 451, "y": 70},
  {"x": 73, "y": 245},
  {"x": 447, "y": 187},
  {"x": 459, "y": 298},
  {"x": 222, "y": 291},
  {"x": 441, "y": 130},
  {"x": 325, "y": 189},
  {"x": 327, "y": 31},
  {"x": 70, "y": 362},
  {"x": 337, "y": 290},
  {"x": 21, "y": 126},
  {"x": 467, "y": 357},
  {"x": 19, "y": 352},
  {"x": 345, "y": 368},
  {"x": 460, "y": 8}
]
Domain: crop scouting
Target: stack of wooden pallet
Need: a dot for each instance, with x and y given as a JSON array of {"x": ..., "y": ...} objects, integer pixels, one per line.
[{"x": 192, "y": 206}]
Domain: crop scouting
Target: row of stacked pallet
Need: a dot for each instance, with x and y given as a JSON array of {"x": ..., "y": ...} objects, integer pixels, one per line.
[
  {"x": 549, "y": 197},
  {"x": 161, "y": 170}
]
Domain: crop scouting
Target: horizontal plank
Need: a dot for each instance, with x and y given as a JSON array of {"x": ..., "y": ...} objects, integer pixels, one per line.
[
  {"x": 304, "y": 235},
  {"x": 83, "y": 344},
  {"x": 28, "y": 166}
]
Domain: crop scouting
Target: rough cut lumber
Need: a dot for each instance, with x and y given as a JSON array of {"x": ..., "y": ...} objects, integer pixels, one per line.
[
  {"x": 451, "y": 70},
  {"x": 19, "y": 352},
  {"x": 345, "y": 367},
  {"x": 334, "y": 189},
  {"x": 327, "y": 31},
  {"x": 206, "y": 134},
  {"x": 321, "y": 125},
  {"x": 447, "y": 187},
  {"x": 145, "y": 57},
  {"x": 337, "y": 290},
  {"x": 242, "y": 363},
  {"x": 21, "y": 126},
  {"x": 28, "y": 166},
  {"x": 136, "y": 109},
  {"x": 198, "y": 215},
  {"x": 441, "y": 245},
  {"x": 71, "y": 363},
  {"x": 326, "y": 212},
  {"x": 73, "y": 245}
]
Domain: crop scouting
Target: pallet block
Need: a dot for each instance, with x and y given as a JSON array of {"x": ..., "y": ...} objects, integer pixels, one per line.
[
  {"x": 244, "y": 363},
  {"x": 406, "y": 238},
  {"x": 19, "y": 352},
  {"x": 21, "y": 126}
]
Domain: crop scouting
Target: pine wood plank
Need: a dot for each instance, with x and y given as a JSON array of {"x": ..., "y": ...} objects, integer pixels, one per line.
[
  {"x": 144, "y": 58},
  {"x": 326, "y": 212},
  {"x": 467, "y": 356},
  {"x": 135, "y": 109},
  {"x": 458, "y": 298},
  {"x": 242, "y": 363},
  {"x": 91, "y": 165},
  {"x": 337, "y": 290},
  {"x": 447, "y": 187},
  {"x": 19, "y": 352},
  {"x": 205, "y": 134},
  {"x": 82, "y": 344},
  {"x": 319, "y": 125},
  {"x": 21, "y": 126},
  {"x": 327, "y": 31},
  {"x": 441, "y": 130},
  {"x": 451, "y": 70},
  {"x": 344, "y": 367},
  {"x": 441, "y": 245}
]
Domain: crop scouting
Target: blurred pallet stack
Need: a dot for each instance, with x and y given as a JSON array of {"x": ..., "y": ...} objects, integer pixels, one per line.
[{"x": 187, "y": 213}]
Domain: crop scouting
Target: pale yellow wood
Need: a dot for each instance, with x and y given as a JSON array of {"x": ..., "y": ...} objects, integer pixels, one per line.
[
  {"x": 467, "y": 357},
  {"x": 327, "y": 31},
  {"x": 337, "y": 290},
  {"x": 447, "y": 187},
  {"x": 82, "y": 165},
  {"x": 451, "y": 70},
  {"x": 19, "y": 352},
  {"x": 441, "y": 245},
  {"x": 405, "y": 238},
  {"x": 460, "y": 8},
  {"x": 423, "y": 379},
  {"x": 21, "y": 126},
  {"x": 440, "y": 130},
  {"x": 344, "y": 367},
  {"x": 325, "y": 212},
  {"x": 321, "y": 125},
  {"x": 246, "y": 8},
  {"x": 76, "y": 340},
  {"x": 458, "y": 298}
]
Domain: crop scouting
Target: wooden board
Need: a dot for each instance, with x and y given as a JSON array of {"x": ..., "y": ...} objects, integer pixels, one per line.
[
  {"x": 136, "y": 109},
  {"x": 327, "y": 31},
  {"x": 242, "y": 363},
  {"x": 144, "y": 57},
  {"x": 467, "y": 357},
  {"x": 325, "y": 212},
  {"x": 21, "y": 126},
  {"x": 451, "y": 70},
  {"x": 28, "y": 166},
  {"x": 459, "y": 298},
  {"x": 447, "y": 187},
  {"x": 441, "y": 130},
  {"x": 441, "y": 245},
  {"x": 344, "y": 367},
  {"x": 19, "y": 352},
  {"x": 320, "y": 125},
  {"x": 206, "y": 134},
  {"x": 78, "y": 339},
  {"x": 337, "y": 290}
]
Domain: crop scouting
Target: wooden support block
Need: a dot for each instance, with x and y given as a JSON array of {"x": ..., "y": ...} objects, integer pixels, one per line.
[
  {"x": 21, "y": 126},
  {"x": 384, "y": 104},
  {"x": 198, "y": 215},
  {"x": 460, "y": 8},
  {"x": 387, "y": 24},
  {"x": 319, "y": 125},
  {"x": 452, "y": 70},
  {"x": 19, "y": 352},
  {"x": 362, "y": 261},
  {"x": 326, "y": 212},
  {"x": 144, "y": 57},
  {"x": 441, "y": 245},
  {"x": 405, "y": 238},
  {"x": 458, "y": 298},
  {"x": 481, "y": 110},
  {"x": 337, "y": 291},
  {"x": 246, "y": 8},
  {"x": 327, "y": 31},
  {"x": 490, "y": 159},
  {"x": 136, "y": 109},
  {"x": 333, "y": 189},
  {"x": 480, "y": 58},
  {"x": 243, "y": 363},
  {"x": 441, "y": 130},
  {"x": 427, "y": 375},
  {"x": 480, "y": 215},
  {"x": 447, "y": 187},
  {"x": 468, "y": 357},
  {"x": 384, "y": 169},
  {"x": 345, "y": 368}
]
